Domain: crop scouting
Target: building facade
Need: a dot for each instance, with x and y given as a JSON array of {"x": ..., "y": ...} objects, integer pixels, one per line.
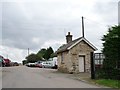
[{"x": 74, "y": 57}]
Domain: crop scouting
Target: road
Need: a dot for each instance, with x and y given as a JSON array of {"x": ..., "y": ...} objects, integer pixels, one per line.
[{"x": 26, "y": 77}]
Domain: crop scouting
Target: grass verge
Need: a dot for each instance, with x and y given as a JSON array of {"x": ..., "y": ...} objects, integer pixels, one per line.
[{"x": 109, "y": 83}]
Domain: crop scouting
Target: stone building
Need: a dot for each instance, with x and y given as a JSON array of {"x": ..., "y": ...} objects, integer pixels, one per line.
[{"x": 74, "y": 57}]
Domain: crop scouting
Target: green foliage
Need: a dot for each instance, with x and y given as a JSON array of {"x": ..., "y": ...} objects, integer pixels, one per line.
[
  {"x": 48, "y": 53},
  {"x": 111, "y": 50},
  {"x": 32, "y": 58},
  {"x": 24, "y": 62},
  {"x": 53, "y": 55},
  {"x": 43, "y": 54},
  {"x": 106, "y": 73}
]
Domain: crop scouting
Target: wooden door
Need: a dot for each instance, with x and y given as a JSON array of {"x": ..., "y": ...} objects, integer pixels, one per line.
[{"x": 81, "y": 64}]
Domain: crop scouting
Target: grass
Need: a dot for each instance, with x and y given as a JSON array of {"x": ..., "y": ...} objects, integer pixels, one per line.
[{"x": 109, "y": 83}]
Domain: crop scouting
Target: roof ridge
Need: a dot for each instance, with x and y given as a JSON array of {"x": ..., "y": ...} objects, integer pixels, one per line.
[{"x": 65, "y": 46}]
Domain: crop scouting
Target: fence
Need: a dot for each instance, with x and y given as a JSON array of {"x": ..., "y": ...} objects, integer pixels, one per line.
[
  {"x": 98, "y": 59},
  {"x": 101, "y": 72}
]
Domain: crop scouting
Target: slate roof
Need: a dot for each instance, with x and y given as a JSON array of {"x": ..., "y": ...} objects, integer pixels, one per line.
[
  {"x": 69, "y": 45},
  {"x": 65, "y": 46}
]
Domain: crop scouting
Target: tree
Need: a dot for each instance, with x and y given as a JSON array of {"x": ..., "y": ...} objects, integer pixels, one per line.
[
  {"x": 53, "y": 55},
  {"x": 24, "y": 62},
  {"x": 32, "y": 58},
  {"x": 41, "y": 53},
  {"x": 111, "y": 49},
  {"x": 48, "y": 53}
]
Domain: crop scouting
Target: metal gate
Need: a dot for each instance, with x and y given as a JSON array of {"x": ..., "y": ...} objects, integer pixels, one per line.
[
  {"x": 96, "y": 64},
  {"x": 98, "y": 60},
  {"x": 100, "y": 70}
]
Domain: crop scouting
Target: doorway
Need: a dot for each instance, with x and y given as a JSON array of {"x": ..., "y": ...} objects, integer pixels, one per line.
[{"x": 81, "y": 63}]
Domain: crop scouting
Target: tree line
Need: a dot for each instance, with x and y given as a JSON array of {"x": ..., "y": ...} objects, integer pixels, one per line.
[{"x": 42, "y": 55}]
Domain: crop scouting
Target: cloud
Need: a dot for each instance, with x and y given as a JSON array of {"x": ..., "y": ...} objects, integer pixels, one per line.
[
  {"x": 13, "y": 54},
  {"x": 43, "y": 23},
  {"x": 108, "y": 11}
]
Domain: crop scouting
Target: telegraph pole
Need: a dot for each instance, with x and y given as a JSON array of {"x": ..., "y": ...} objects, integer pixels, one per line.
[
  {"x": 28, "y": 51},
  {"x": 82, "y": 26},
  {"x": 7, "y": 56}
]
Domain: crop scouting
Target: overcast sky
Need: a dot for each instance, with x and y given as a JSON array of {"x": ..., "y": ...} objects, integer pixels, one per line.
[{"x": 37, "y": 24}]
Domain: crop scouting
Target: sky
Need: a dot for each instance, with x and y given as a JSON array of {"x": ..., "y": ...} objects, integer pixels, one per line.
[{"x": 37, "y": 24}]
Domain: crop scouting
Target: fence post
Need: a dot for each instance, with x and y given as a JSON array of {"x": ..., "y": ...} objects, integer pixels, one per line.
[{"x": 92, "y": 66}]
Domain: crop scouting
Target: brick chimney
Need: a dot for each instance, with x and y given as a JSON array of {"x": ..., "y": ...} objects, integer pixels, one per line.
[{"x": 68, "y": 37}]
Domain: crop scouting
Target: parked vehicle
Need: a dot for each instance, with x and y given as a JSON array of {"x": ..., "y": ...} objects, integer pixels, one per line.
[
  {"x": 7, "y": 62},
  {"x": 38, "y": 64},
  {"x": 30, "y": 64},
  {"x": 55, "y": 66},
  {"x": 54, "y": 63},
  {"x": 15, "y": 64},
  {"x": 1, "y": 61},
  {"x": 46, "y": 65}
]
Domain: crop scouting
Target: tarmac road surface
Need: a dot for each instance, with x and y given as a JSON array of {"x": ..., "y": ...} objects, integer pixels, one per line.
[{"x": 26, "y": 77}]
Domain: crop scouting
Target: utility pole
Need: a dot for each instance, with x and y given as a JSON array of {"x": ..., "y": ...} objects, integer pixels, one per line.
[
  {"x": 7, "y": 56},
  {"x": 82, "y": 26},
  {"x": 28, "y": 51}
]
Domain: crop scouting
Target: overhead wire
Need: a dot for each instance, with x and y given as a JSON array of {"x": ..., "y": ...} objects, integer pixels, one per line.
[{"x": 98, "y": 23}]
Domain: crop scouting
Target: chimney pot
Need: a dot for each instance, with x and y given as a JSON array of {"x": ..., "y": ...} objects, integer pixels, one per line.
[
  {"x": 68, "y": 33},
  {"x": 68, "y": 37}
]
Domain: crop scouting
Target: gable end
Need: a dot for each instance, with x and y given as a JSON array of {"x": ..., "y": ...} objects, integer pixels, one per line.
[{"x": 85, "y": 40}]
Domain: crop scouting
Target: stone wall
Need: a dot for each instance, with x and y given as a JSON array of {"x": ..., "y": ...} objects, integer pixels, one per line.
[
  {"x": 81, "y": 49},
  {"x": 63, "y": 65},
  {"x": 70, "y": 62}
]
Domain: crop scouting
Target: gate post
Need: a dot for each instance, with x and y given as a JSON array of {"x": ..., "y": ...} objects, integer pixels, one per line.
[{"x": 92, "y": 66}]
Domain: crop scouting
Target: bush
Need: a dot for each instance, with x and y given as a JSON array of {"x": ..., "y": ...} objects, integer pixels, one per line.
[{"x": 108, "y": 73}]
